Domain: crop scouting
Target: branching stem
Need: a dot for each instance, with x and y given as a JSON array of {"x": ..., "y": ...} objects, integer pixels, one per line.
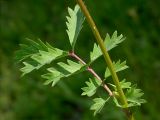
[
  {"x": 100, "y": 42},
  {"x": 72, "y": 54}
]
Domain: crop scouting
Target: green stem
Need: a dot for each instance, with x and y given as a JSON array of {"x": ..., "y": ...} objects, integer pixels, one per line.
[{"x": 107, "y": 58}]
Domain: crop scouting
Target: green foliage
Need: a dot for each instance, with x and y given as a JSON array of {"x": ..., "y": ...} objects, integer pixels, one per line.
[
  {"x": 29, "y": 48},
  {"x": 125, "y": 84},
  {"x": 95, "y": 53},
  {"x": 118, "y": 66},
  {"x": 98, "y": 104},
  {"x": 35, "y": 55},
  {"x": 71, "y": 66},
  {"x": 113, "y": 41},
  {"x": 132, "y": 94},
  {"x": 91, "y": 88},
  {"x": 74, "y": 24},
  {"x": 66, "y": 70},
  {"x": 52, "y": 77},
  {"x": 109, "y": 42},
  {"x": 27, "y": 68},
  {"x": 45, "y": 21}
]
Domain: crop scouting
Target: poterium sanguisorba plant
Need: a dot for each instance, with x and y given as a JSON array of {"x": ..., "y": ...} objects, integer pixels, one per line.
[{"x": 36, "y": 54}]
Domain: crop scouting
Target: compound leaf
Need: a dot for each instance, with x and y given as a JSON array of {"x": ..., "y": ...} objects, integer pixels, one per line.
[
  {"x": 45, "y": 57},
  {"x": 29, "y": 48},
  {"x": 37, "y": 54}
]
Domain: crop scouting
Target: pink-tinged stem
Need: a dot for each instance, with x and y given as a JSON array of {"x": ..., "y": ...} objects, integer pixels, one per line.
[{"x": 72, "y": 54}]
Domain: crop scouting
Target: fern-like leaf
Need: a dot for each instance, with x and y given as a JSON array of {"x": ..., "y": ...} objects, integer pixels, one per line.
[
  {"x": 118, "y": 66},
  {"x": 133, "y": 95},
  {"x": 53, "y": 76},
  {"x": 37, "y": 54},
  {"x": 123, "y": 83},
  {"x": 91, "y": 88},
  {"x": 113, "y": 41},
  {"x": 29, "y": 48},
  {"x": 64, "y": 70},
  {"x": 71, "y": 66},
  {"x": 95, "y": 53},
  {"x": 74, "y": 24},
  {"x": 27, "y": 68},
  {"x": 109, "y": 42},
  {"x": 98, "y": 104}
]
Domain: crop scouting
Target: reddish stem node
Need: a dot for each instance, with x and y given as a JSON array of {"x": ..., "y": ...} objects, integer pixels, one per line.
[{"x": 89, "y": 69}]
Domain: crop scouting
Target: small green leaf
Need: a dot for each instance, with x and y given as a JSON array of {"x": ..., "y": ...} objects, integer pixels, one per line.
[
  {"x": 117, "y": 103},
  {"x": 96, "y": 53},
  {"x": 29, "y": 48},
  {"x": 64, "y": 70},
  {"x": 27, "y": 68},
  {"x": 45, "y": 57},
  {"x": 71, "y": 66},
  {"x": 109, "y": 42},
  {"x": 91, "y": 88},
  {"x": 37, "y": 54},
  {"x": 113, "y": 41},
  {"x": 98, "y": 104},
  {"x": 124, "y": 84},
  {"x": 53, "y": 76},
  {"x": 118, "y": 66},
  {"x": 134, "y": 95},
  {"x": 74, "y": 24}
]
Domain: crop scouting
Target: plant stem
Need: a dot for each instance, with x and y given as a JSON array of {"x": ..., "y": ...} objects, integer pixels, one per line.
[
  {"x": 72, "y": 54},
  {"x": 100, "y": 42}
]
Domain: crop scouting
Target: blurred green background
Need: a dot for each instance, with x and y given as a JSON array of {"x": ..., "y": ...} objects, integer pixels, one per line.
[{"x": 28, "y": 99}]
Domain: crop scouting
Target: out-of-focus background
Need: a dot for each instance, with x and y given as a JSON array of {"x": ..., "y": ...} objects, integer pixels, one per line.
[{"x": 28, "y": 99}]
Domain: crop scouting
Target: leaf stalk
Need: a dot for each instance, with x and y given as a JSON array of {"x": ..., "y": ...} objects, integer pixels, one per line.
[{"x": 89, "y": 69}]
